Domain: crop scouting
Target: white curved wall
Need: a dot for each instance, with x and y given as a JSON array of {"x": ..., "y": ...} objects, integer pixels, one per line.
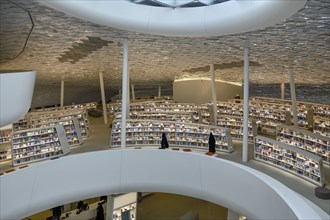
[
  {"x": 231, "y": 17},
  {"x": 16, "y": 91},
  {"x": 50, "y": 183}
]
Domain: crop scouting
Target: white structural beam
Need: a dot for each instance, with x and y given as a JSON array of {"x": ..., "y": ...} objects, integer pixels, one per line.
[
  {"x": 124, "y": 94},
  {"x": 293, "y": 99},
  {"x": 128, "y": 92},
  {"x": 62, "y": 93},
  {"x": 110, "y": 207},
  {"x": 214, "y": 94},
  {"x": 246, "y": 105},
  {"x": 159, "y": 91},
  {"x": 282, "y": 90},
  {"x": 133, "y": 91},
  {"x": 104, "y": 104}
]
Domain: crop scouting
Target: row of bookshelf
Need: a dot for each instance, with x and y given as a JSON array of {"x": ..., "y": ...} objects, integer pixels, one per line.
[
  {"x": 306, "y": 140},
  {"x": 47, "y": 142},
  {"x": 148, "y": 132},
  {"x": 288, "y": 158}
]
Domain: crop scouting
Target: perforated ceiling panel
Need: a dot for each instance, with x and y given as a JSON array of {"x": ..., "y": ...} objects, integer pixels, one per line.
[{"x": 65, "y": 47}]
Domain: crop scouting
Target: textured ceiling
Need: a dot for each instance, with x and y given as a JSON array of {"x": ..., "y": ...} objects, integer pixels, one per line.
[{"x": 64, "y": 47}]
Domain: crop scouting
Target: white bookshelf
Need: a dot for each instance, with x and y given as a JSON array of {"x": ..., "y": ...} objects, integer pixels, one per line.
[
  {"x": 235, "y": 124},
  {"x": 21, "y": 124},
  {"x": 5, "y": 144},
  {"x": 322, "y": 126},
  {"x": 166, "y": 116},
  {"x": 89, "y": 105},
  {"x": 71, "y": 127},
  {"x": 306, "y": 140},
  {"x": 38, "y": 144},
  {"x": 59, "y": 115},
  {"x": 293, "y": 160},
  {"x": 149, "y": 133},
  {"x": 321, "y": 110}
]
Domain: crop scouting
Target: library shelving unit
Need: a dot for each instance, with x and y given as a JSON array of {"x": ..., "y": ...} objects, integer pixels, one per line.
[
  {"x": 90, "y": 105},
  {"x": 279, "y": 112},
  {"x": 321, "y": 110},
  {"x": 38, "y": 144},
  {"x": 293, "y": 160},
  {"x": 235, "y": 124},
  {"x": 5, "y": 144},
  {"x": 322, "y": 126},
  {"x": 306, "y": 140},
  {"x": 149, "y": 133},
  {"x": 71, "y": 127},
  {"x": 166, "y": 116},
  {"x": 21, "y": 124},
  {"x": 59, "y": 115}
]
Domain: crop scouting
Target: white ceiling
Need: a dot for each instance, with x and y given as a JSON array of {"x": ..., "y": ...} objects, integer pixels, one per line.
[{"x": 65, "y": 47}]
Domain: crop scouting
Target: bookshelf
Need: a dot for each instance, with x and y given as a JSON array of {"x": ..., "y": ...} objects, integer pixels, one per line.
[
  {"x": 235, "y": 124},
  {"x": 59, "y": 115},
  {"x": 166, "y": 116},
  {"x": 38, "y": 144},
  {"x": 90, "y": 105},
  {"x": 5, "y": 144},
  {"x": 322, "y": 126},
  {"x": 21, "y": 124},
  {"x": 293, "y": 160},
  {"x": 306, "y": 140},
  {"x": 71, "y": 127},
  {"x": 149, "y": 132}
]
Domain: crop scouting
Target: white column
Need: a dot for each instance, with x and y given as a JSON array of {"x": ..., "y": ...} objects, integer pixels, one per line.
[
  {"x": 124, "y": 95},
  {"x": 214, "y": 94},
  {"x": 159, "y": 91},
  {"x": 104, "y": 104},
  {"x": 293, "y": 99},
  {"x": 246, "y": 105},
  {"x": 110, "y": 207},
  {"x": 133, "y": 92},
  {"x": 62, "y": 93},
  {"x": 231, "y": 215},
  {"x": 128, "y": 93},
  {"x": 282, "y": 90}
]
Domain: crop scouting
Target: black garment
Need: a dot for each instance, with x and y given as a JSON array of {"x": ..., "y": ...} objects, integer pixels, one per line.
[
  {"x": 57, "y": 211},
  {"x": 211, "y": 143},
  {"x": 80, "y": 205},
  {"x": 99, "y": 212},
  {"x": 164, "y": 143}
]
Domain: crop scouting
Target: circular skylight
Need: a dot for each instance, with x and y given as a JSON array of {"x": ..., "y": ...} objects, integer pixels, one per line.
[{"x": 178, "y": 3}]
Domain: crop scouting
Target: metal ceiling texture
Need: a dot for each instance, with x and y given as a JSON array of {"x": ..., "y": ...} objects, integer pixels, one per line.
[{"x": 64, "y": 47}]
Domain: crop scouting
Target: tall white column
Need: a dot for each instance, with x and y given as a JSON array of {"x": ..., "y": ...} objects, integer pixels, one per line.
[
  {"x": 110, "y": 207},
  {"x": 282, "y": 90},
  {"x": 128, "y": 94},
  {"x": 246, "y": 105},
  {"x": 104, "y": 104},
  {"x": 214, "y": 94},
  {"x": 159, "y": 91},
  {"x": 133, "y": 92},
  {"x": 62, "y": 93},
  {"x": 124, "y": 95},
  {"x": 293, "y": 99}
]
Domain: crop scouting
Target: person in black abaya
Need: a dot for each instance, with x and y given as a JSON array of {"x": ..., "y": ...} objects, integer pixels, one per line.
[
  {"x": 164, "y": 143},
  {"x": 99, "y": 212},
  {"x": 211, "y": 143}
]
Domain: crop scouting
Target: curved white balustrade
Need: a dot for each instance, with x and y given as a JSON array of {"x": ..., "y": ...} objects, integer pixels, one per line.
[
  {"x": 16, "y": 92},
  {"x": 244, "y": 190},
  {"x": 231, "y": 17}
]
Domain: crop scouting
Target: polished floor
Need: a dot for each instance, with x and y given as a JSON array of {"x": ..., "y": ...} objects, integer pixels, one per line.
[{"x": 100, "y": 140}]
